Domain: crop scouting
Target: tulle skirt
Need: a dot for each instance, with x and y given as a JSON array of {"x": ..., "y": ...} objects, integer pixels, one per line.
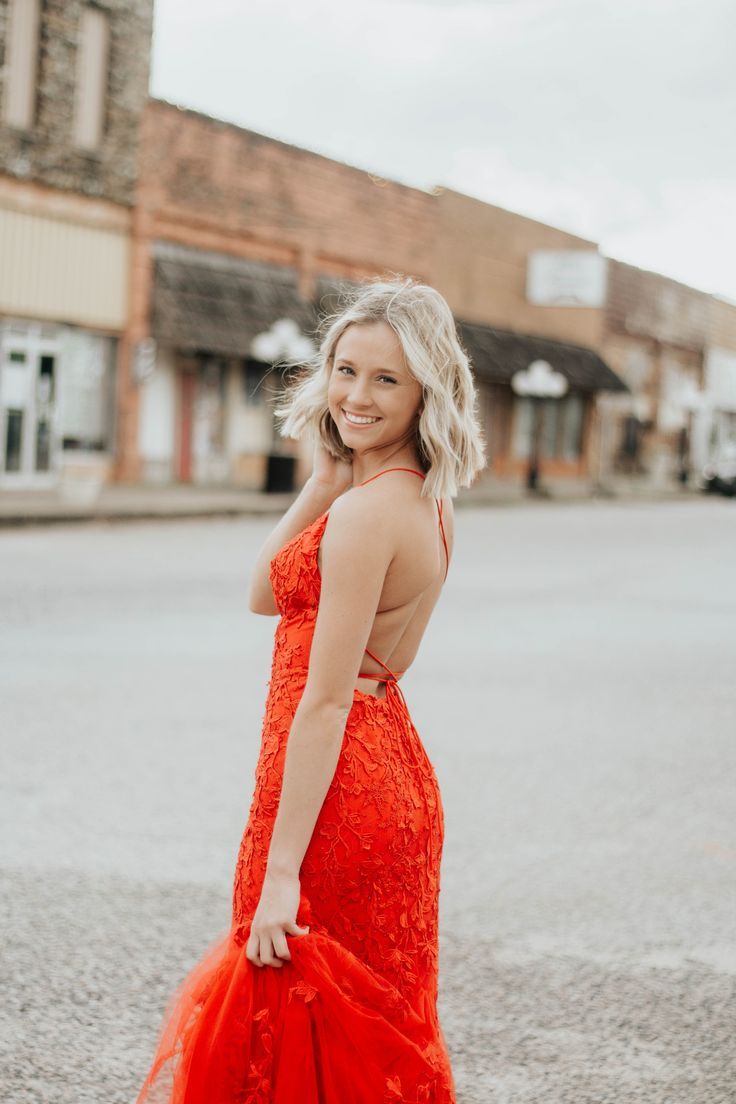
[{"x": 322, "y": 1029}]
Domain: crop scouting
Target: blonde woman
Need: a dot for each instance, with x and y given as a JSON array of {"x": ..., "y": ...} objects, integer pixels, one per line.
[{"x": 324, "y": 991}]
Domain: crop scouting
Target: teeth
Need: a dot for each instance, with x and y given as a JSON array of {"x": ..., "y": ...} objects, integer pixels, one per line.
[{"x": 358, "y": 421}]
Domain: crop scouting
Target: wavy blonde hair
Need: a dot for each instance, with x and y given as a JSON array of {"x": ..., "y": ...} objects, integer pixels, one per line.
[{"x": 449, "y": 440}]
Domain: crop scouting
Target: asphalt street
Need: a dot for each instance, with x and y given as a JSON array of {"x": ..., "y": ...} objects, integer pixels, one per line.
[{"x": 576, "y": 693}]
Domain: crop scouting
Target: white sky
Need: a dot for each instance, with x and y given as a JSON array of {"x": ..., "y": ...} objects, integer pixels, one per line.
[{"x": 615, "y": 119}]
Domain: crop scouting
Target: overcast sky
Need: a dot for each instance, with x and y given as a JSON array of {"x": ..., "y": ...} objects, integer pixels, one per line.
[{"x": 614, "y": 119}]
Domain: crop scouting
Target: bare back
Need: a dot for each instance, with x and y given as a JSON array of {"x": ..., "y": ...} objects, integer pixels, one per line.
[{"x": 413, "y": 582}]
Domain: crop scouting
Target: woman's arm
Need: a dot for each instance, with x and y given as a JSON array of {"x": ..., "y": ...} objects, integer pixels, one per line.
[
  {"x": 329, "y": 479},
  {"x": 357, "y": 549}
]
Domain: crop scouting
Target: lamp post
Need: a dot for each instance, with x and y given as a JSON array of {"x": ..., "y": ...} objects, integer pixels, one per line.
[
  {"x": 283, "y": 341},
  {"x": 537, "y": 382}
]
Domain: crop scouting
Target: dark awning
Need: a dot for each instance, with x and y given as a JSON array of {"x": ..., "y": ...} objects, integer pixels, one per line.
[
  {"x": 497, "y": 354},
  {"x": 208, "y": 302}
]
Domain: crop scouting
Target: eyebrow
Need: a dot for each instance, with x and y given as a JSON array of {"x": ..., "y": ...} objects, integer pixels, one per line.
[{"x": 344, "y": 360}]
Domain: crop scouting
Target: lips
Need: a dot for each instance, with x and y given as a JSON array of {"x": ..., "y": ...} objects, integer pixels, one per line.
[{"x": 349, "y": 419}]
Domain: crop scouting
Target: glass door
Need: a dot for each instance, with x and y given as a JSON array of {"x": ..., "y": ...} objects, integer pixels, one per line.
[{"x": 28, "y": 387}]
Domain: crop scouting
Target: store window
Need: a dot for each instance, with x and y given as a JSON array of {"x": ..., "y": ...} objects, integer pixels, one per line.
[
  {"x": 522, "y": 429},
  {"x": 254, "y": 382},
  {"x": 21, "y": 65},
  {"x": 13, "y": 440},
  {"x": 561, "y": 433},
  {"x": 87, "y": 393}
]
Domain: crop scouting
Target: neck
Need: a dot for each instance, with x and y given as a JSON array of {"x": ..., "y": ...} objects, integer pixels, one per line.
[{"x": 367, "y": 464}]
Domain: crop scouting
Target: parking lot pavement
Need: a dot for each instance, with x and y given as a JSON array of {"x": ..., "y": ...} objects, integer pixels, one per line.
[{"x": 575, "y": 693}]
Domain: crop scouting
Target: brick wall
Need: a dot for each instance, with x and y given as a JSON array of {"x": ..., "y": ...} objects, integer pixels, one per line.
[
  {"x": 210, "y": 184},
  {"x": 44, "y": 153},
  {"x": 646, "y": 304},
  {"x": 722, "y": 324},
  {"x": 480, "y": 265}
]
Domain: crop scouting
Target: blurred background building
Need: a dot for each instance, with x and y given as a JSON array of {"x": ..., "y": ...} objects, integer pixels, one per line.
[
  {"x": 74, "y": 85},
  {"x": 156, "y": 262}
]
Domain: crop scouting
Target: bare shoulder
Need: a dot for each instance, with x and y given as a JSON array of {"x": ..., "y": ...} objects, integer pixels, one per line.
[{"x": 356, "y": 528}]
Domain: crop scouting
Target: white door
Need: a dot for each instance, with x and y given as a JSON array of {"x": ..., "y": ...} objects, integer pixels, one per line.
[{"x": 29, "y": 370}]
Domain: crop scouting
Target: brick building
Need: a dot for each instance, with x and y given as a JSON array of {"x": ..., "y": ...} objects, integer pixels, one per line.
[
  {"x": 525, "y": 292},
  {"x": 714, "y": 429},
  {"x": 234, "y": 233},
  {"x": 74, "y": 84},
  {"x": 655, "y": 336}
]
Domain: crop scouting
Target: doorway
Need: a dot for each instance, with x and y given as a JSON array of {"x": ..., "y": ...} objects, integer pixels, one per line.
[{"x": 29, "y": 359}]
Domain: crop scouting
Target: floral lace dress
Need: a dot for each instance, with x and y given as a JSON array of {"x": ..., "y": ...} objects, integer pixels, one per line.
[{"x": 352, "y": 1018}]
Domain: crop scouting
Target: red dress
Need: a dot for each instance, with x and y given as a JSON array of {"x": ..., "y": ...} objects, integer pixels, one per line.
[{"x": 352, "y": 1018}]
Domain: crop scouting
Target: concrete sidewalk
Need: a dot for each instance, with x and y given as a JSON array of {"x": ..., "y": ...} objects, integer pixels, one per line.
[{"x": 120, "y": 502}]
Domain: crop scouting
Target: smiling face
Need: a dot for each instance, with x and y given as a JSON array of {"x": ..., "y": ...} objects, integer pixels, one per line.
[{"x": 371, "y": 381}]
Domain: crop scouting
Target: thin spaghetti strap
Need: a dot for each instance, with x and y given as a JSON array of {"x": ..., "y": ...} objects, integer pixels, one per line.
[
  {"x": 444, "y": 538},
  {"x": 439, "y": 509},
  {"x": 420, "y": 474}
]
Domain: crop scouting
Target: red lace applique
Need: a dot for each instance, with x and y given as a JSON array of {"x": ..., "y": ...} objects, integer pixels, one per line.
[{"x": 361, "y": 987}]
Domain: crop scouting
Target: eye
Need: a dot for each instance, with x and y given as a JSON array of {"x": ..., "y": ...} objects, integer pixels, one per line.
[{"x": 347, "y": 368}]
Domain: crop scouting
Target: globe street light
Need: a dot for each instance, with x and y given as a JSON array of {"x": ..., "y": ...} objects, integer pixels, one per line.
[
  {"x": 284, "y": 341},
  {"x": 537, "y": 382}
]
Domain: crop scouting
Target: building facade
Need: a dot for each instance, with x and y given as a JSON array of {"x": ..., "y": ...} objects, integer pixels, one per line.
[
  {"x": 524, "y": 293},
  {"x": 74, "y": 83},
  {"x": 714, "y": 433},
  {"x": 238, "y": 239},
  {"x": 655, "y": 336},
  {"x": 236, "y": 235}
]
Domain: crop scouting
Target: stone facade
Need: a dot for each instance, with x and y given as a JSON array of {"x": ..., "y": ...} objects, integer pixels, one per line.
[{"x": 45, "y": 152}]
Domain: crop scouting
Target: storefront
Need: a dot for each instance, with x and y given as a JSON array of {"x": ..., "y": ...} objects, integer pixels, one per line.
[
  {"x": 56, "y": 401},
  {"x": 206, "y": 408},
  {"x": 511, "y": 420},
  {"x": 718, "y": 417},
  {"x": 63, "y": 307}
]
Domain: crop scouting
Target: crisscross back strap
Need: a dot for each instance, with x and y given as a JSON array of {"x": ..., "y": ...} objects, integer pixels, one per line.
[{"x": 392, "y": 676}]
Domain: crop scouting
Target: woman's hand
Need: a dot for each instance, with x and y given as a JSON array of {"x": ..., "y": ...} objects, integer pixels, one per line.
[
  {"x": 274, "y": 917},
  {"x": 330, "y": 475}
]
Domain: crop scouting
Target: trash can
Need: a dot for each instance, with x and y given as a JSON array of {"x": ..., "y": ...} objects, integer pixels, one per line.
[{"x": 280, "y": 473}]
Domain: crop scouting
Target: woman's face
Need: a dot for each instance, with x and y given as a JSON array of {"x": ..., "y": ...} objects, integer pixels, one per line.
[{"x": 371, "y": 379}]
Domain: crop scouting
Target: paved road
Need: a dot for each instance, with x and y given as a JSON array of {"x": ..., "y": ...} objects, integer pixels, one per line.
[{"x": 576, "y": 694}]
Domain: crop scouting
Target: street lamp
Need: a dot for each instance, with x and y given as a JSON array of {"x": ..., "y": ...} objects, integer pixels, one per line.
[
  {"x": 537, "y": 382},
  {"x": 283, "y": 341}
]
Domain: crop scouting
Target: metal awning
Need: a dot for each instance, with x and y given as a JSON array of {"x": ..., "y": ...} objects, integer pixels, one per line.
[
  {"x": 208, "y": 302},
  {"x": 497, "y": 354}
]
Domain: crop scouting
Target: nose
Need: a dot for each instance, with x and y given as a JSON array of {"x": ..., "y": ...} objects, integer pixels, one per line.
[{"x": 360, "y": 394}]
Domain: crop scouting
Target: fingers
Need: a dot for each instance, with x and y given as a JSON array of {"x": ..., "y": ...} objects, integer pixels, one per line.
[
  {"x": 251, "y": 949},
  {"x": 280, "y": 945},
  {"x": 293, "y": 929},
  {"x": 270, "y": 948},
  {"x": 268, "y": 958}
]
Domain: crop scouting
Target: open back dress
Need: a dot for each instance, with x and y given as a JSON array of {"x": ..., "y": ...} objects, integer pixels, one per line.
[{"x": 351, "y": 1018}]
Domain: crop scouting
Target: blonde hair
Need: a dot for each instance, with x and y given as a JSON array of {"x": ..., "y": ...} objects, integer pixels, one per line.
[{"x": 449, "y": 440}]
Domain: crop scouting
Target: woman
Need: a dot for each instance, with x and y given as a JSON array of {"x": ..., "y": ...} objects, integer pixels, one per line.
[{"x": 324, "y": 991}]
